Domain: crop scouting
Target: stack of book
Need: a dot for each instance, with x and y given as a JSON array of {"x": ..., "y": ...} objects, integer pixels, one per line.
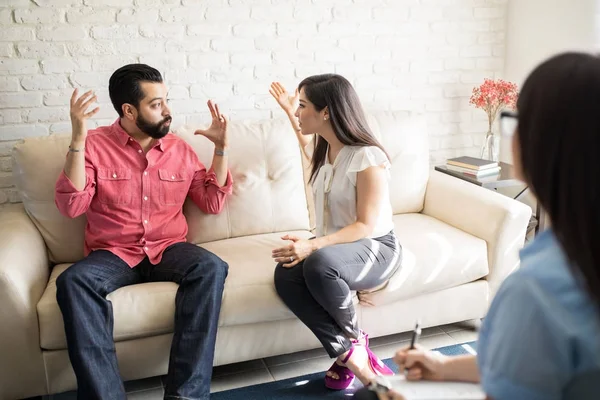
[{"x": 476, "y": 167}]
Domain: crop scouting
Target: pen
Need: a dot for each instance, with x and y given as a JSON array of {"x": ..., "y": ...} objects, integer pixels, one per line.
[
  {"x": 415, "y": 335},
  {"x": 413, "y": 340}
]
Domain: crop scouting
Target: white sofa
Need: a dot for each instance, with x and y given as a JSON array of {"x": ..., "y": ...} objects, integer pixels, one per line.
[{"x": 459, "y": 242}]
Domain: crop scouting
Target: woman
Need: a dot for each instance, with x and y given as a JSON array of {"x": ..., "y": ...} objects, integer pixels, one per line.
[
  {"x": 355, "y": 247},
  {"x": 540, "y": 339}
]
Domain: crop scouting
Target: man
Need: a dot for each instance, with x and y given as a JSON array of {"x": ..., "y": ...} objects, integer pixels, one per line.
[{"x": 131, "y": 179}]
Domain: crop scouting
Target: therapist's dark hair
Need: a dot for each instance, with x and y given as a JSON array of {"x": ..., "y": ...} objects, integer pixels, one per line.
[{"x": 559, "y": 139}]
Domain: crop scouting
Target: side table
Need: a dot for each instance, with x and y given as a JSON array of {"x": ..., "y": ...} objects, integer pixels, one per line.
[{"x": 506, "y": 178}]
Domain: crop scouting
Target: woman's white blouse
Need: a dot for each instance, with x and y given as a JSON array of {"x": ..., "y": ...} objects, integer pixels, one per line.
[{"x": 334, "y": 189}]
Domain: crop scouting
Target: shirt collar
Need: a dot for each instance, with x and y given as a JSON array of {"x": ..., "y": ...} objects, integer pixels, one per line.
[
  {"x": 123, "y": 137},
  {"x": 160, "y": 144}
]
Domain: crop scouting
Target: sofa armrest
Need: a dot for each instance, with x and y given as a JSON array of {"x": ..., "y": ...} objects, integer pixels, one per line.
[
  {"x": 24, "y": 273},
  {"x": 497, "y": 219}
]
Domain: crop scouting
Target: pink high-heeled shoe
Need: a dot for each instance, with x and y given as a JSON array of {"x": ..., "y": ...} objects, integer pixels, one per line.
[
  {"x": 377, "y": 365},
  {"x": 345, "y": 375}
]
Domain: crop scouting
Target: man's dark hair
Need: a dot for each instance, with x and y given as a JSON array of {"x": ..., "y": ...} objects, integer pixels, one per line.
[{"x": 124, "y": 84}]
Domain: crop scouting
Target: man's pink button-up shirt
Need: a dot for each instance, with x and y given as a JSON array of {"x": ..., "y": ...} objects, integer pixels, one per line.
[{"x": 133, "y": 201}]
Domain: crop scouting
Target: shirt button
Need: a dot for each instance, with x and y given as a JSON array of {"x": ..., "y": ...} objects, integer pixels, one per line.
[
  {"x": 114, "y": 175},
  {"x": 146, "y": 248},
  {"x": 145, "y": 198},
  {"x": 173, "y": 177},
  {"x": 145, "y": 221},
  {"x": 145, "y": 172},
  {"x": 139, "y": 151}
]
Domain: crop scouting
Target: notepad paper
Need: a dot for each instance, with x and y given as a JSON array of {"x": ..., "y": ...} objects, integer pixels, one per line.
[{"x": 429, "y": 390}]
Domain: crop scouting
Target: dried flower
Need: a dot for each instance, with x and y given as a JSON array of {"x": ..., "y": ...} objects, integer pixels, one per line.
[{"x": 493, "y": 95}]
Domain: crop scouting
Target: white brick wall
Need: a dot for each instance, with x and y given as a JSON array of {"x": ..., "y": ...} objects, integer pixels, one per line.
[{"x": 421, "y": 54}]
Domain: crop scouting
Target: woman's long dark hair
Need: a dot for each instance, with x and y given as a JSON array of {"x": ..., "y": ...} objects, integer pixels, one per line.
[
  {"x": 559, "y": 139},
  {"x": 345, "y": 113}
]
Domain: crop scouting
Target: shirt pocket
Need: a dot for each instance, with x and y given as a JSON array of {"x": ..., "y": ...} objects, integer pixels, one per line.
[
  {"x": 114, "y": 186},
  {"x": 173, "y": 187}
]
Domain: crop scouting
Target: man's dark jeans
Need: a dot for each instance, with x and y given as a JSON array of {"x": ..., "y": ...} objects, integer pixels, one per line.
[{"x": 88, "y": 317}]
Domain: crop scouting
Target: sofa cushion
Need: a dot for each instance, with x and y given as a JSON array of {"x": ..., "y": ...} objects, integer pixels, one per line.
[
  {"x": 147, "y": 309},
  {"x": 435, "y": 256},
  {"x": 37, "y": 163},
  {"x": 268, "y": 191},
  {"x": 404, "y": 136}
]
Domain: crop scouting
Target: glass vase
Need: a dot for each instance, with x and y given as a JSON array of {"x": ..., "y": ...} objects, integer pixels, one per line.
[{"x": 491, "y": 147}]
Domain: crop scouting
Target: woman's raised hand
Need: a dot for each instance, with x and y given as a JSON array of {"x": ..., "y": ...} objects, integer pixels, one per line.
[{"x": 288, "y": 103}]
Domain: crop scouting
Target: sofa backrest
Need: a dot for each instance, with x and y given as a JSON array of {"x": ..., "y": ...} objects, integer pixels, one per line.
[{"x": 268, "y": 194}]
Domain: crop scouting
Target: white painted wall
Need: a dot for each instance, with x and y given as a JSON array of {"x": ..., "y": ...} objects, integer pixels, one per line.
[
  {"x": 538, "y": 29},
  {"x": 424, "y": 54}
]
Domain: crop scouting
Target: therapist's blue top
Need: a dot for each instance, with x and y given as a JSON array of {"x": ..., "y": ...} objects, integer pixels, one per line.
[{"x": 542, "y": 329}]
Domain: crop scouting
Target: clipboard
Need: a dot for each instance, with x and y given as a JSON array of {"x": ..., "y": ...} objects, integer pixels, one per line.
[{"x": 431, "y": 390}]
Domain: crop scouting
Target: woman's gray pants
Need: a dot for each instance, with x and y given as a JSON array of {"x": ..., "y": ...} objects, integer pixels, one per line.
[{"x": 318, "y": 289}]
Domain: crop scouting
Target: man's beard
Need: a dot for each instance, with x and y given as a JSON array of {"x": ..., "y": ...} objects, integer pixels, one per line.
[{"x": 155, "y": 131}]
